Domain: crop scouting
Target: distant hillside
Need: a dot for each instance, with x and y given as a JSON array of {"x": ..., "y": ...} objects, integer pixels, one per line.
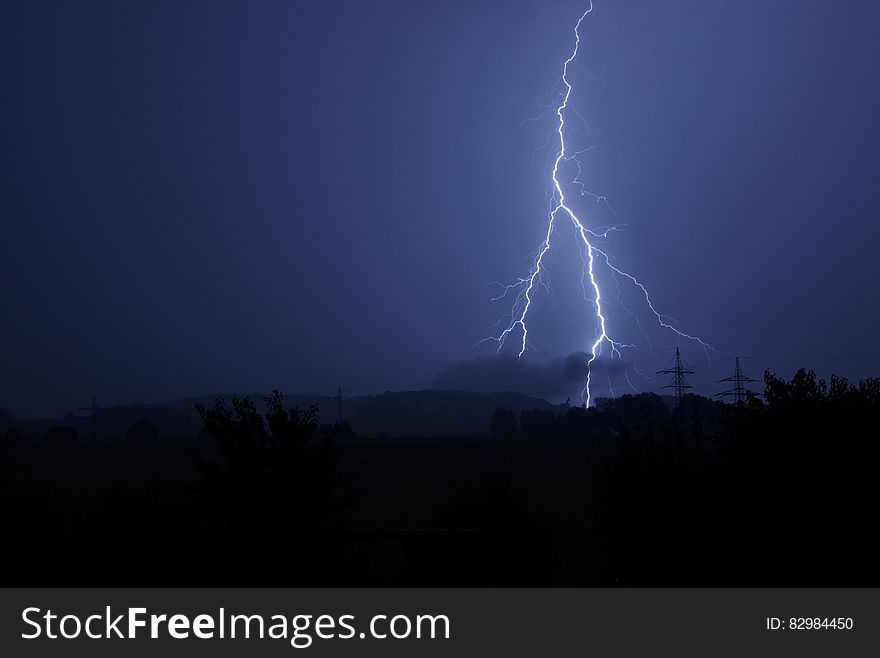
[
  {"x": 426, "y": 413},
  {"x": 432, "y": 413},
  {"x": 392, "y": 414},
  {"x": 173, "y": 422}
]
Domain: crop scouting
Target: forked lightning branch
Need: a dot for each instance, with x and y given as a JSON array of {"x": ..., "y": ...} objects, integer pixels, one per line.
[{"x": 527, "y": 287}]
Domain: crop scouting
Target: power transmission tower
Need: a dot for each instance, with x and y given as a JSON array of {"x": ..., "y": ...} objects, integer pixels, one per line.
[
  {"x": 739, "y": 391},
  {"x": 339, "y": 417},
  {"x": 93, "y": 418},
  {"x": 678, "y": 368}
]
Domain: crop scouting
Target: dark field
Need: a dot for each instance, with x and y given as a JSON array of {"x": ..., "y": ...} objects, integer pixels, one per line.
[
  {"x": 775, "y": 493},
  {"x": 113, "y": 513}
]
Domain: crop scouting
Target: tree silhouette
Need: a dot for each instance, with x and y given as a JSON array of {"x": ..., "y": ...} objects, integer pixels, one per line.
[
  {"x": 142, "y": 432},
  {"x": 9, "y": 441},
  {"x": 537, "y": 424},
  {"x": 61, "y": 437},
  {"x": 12, "y": 437},
  {"x": 6, "y": 420},
  {"x": 276, "y": 483},
  {"x": 4, "y": 466}
]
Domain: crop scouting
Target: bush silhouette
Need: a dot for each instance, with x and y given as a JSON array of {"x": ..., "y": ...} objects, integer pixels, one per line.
[
  {"x": 142, "y": 432},
  {"x": 61, "y": 437}
]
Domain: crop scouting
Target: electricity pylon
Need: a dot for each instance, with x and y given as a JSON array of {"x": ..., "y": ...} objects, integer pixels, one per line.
[
  {"x": 678, "y": 368},
  {"x": 739, "y": 391}
]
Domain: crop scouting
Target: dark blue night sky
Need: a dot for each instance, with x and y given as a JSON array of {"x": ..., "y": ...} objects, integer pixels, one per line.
[{"x": 238, "y": 196}]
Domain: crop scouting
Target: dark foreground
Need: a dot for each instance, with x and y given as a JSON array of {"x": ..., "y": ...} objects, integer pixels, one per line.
[{"x": 777, "y": 494}]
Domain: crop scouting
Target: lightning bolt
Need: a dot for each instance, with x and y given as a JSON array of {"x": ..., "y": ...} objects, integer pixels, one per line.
[{"x": 593, "y": 255}]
